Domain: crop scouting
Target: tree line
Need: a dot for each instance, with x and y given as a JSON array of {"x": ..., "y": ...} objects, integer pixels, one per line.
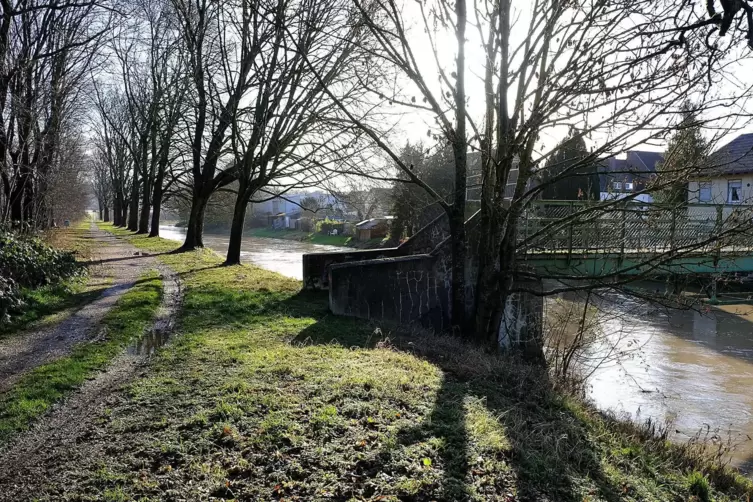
[{"x": 168, "y": 102}]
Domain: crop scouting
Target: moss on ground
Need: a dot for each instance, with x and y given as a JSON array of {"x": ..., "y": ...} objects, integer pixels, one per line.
[
  {"x": 267, "y": 396},
  {"x": 39, "y": 389}
]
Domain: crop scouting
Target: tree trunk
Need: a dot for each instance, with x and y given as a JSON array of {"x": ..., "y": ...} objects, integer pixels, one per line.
[
  {"x": 236, "y": 230},
  {"x": 145, "y": 207},
  {"x": 460, "y": 150},
  {"x": 195, "y": 227},
  {"x": 457, "y": 249},
  {"x": 116, "y": 211},
  {"x": 133, "y": 217},
  {"x": 101, "y": 211},
  {"x": 16, "y": 207},
  {"x": 156, "y": 207},
  {"x": 107, "y": 213},
  {"x": 124, "y": 219}
]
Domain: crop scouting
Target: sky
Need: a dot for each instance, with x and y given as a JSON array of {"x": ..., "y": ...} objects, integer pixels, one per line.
[{"x": 737, "y": 80}]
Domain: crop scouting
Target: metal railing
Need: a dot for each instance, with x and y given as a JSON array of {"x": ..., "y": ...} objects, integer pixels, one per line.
[{"x": 574, "y": 227}]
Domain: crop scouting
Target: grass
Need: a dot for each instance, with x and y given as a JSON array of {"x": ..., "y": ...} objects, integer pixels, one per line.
[
  {"x": 267, "y": 396},
  {"x": 39, "y": 389},
  {"x": 49, "y": 303},
  {"x": 296, "y": 235},
  {"x": 314, "y": 238},
  {"x": 76, "y": 239}
]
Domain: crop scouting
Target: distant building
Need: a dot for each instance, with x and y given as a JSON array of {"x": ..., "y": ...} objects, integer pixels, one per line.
[
  {"x": 373, "y": 228},
  {"x": 289, "y": 205},
  {"x": 728, "y": 176},
  {"x": 619, "y": 178}
]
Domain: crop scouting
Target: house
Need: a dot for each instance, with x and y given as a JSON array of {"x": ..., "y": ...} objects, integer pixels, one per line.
[
  {"x": 619, "y": 178},
  {"x": 289, "y": 203},
  {"x": 373, "y": 228},
  {"x": 282, "y": 221},
  {"x": 728, "y": 175}
]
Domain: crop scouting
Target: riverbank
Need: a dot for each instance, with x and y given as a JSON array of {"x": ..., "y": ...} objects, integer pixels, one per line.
[
  {"x": 297, "y": 235},
  {"x": 265, "y": 395},
  {"x": 315, "y": 238}
]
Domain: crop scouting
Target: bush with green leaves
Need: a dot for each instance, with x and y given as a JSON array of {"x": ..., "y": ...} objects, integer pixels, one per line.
[
  {"x": 27, "y": 263},
  {"x": 326, "y": 226}
]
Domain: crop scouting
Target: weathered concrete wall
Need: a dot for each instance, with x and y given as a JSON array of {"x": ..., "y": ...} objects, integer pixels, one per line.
[
  {"x": 522, "y": 323},
  {"x": 315, "y": 265},
  {"x": 405, "y": 290},
  {"x": 425, "y": 240},
  {"x": 411, "y": 285}
]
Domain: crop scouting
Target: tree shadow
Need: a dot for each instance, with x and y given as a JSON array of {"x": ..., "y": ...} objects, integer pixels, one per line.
[
  {"x": 34, "y": 310},
  {"x": 550, "y": 454},
  {"x": 137, "y": 256}
]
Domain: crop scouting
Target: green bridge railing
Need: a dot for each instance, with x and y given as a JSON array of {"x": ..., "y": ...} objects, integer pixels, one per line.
[{"x": 621, "y": 227}]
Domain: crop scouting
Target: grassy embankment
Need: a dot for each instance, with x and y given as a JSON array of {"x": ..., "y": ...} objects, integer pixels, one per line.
[
  {"x": 50, "y": 303},
  {"x": 266, "y": 396},
  {"x": 314, "y": 238},
  {"x": 36, "y": 391}
]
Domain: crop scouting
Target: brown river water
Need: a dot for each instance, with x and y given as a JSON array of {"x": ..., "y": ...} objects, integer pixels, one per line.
[
  {"x": 279, "y": 255},
  {"x": 693, "y": 368}
]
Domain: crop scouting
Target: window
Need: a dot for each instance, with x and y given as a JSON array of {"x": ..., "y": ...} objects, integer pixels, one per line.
[
  {"x": 617, "y": 185},
  {"x": 704, "y": 191},
  {"x": 629, "y": 186},
  {"x": 734, "y": 191}
]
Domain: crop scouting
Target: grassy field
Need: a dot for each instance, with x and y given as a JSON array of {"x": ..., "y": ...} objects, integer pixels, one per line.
[
  {"x": 264, "y": 395},
  {"x": 39, "y": 389}
]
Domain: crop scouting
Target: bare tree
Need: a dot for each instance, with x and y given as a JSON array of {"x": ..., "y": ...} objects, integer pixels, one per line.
[
  {"x": 112, "y": 147},
  {"x": 46, "y": 51},
  {"x": 215, "y": 94},
  {"x": 613, "y": 73},
  {"x": 288, "y": 132}
]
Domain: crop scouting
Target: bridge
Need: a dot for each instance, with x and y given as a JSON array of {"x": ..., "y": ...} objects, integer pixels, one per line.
[
  {"x": 557, "y": 240},
  {"x": 627, "y": 238}
]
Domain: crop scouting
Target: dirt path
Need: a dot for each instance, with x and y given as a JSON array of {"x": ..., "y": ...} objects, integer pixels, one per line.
[
  {"x": 113, "y": 259},
  {"x": 53, "y": 443}
]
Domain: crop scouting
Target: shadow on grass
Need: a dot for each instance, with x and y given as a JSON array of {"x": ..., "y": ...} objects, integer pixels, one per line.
[
  {"x": 549, "y": 451},
  {"x": 551, "y": 456},
  {"x": 54, "y": 300},
  {"x": 140, "y": 256}
]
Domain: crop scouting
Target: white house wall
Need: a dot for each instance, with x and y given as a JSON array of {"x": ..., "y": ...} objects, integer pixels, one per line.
[{"x": 719, "y": 190}]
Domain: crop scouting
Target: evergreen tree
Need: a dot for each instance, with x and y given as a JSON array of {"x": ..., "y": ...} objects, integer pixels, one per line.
[
  {"x": 563, "y": 179},
  {"x": 686, "y": 153}
]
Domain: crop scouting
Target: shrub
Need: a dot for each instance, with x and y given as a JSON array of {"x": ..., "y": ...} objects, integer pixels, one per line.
[
  {"x": 26, "y": 263},
  {"x": 698, "y": 486},
  {"x": 326, "y": 226}
]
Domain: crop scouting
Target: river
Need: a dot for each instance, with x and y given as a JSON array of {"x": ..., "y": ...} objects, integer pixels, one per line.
[
  {"x": 693, "y": 368},
  {"x": 279, "y": 255}
]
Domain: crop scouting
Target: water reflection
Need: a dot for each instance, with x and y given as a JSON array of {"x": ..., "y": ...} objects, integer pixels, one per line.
[
  {"x": 282, "y": 256},
  {"x": 149, "y": 342},
  {"x": 695, "y": 368}
]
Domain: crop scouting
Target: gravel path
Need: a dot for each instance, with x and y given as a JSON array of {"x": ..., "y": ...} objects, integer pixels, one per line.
[
  {"x": 113, "y": 258},
  {"x": 54, "y": 443}
]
